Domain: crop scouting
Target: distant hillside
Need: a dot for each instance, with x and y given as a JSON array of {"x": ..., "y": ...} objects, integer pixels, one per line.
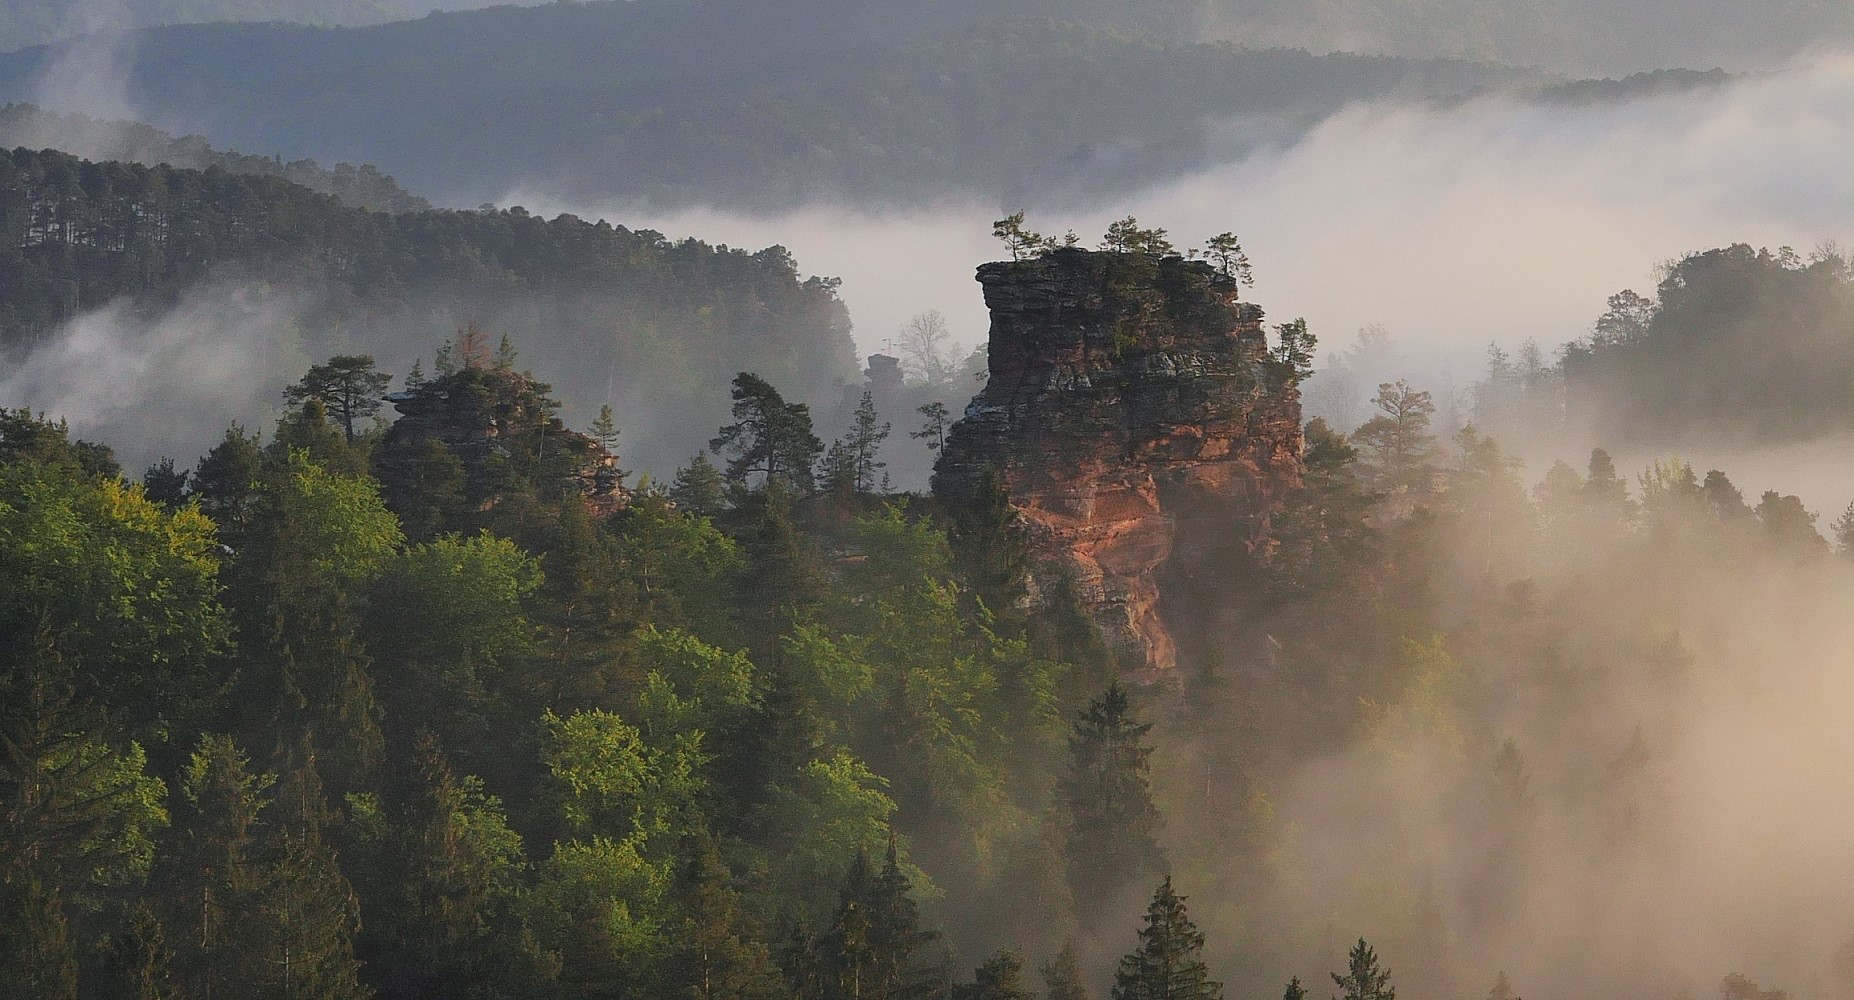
[
  {"x": 751, "y": 104},
  {"x": 655, "y": 328},
  {"x": 1737, "y": 343},
  {"x": 1603, "y": 37},
  {"x": 35, "y": 22},
  {"x": 31, "y": 127}
]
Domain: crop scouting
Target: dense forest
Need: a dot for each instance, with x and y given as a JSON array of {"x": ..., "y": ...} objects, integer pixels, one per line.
[
  {"x": 622, "y": 315},
  {"x": 441, "y": 707},
  {"x": 1737, "y": 346},
  {"x": 715, "y": 102},
  {"x": 32, "y": 127}
]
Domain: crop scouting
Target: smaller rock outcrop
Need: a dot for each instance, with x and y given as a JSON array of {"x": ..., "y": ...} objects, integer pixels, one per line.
[
  {"x": 1139, "y": 425},
  {"x": 503, "y": 430}
]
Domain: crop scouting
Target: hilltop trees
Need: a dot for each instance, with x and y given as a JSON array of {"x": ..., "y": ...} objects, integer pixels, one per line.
[{"x": 348, "y": 387}]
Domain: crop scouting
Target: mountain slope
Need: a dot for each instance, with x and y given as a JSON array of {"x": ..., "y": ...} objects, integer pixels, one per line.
[{"x": 718, "y": 100}]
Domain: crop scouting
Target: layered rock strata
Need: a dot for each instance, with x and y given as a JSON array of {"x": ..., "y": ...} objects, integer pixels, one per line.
[{"x": 1139, "y": 424}]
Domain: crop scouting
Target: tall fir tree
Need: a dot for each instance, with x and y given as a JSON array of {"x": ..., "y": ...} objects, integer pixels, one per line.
[
  {"x": 1168, "y": 964},
  {"x": 1364, "y": 979},
  {"x": 1113, "y": 825}
]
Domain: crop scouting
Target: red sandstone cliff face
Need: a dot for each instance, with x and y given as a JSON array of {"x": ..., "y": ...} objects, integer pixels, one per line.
[{"x": 1134, "y": 416}]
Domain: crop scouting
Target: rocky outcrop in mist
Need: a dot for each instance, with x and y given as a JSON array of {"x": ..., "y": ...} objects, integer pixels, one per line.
[{"x": 1137, "y": 422}]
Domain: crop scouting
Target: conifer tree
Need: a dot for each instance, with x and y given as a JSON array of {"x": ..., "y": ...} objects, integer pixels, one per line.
[
  {"x": 1168, "y": 964},
  {"x": 719, "y": 955},
  {"x": 166, "y": 485},
  {"x": 348, "y": 386},
  {"x": 210, "y": 873},
  {"x": 988, "y": 537},
  {"x": 769, "y": 437},
  {"x": 1112, "y": 843},
  {"x": 698, "y": 488},
  {"x": 1363, "y": 979},
  {"x": 863, "y": 445},
  {"x": 1294, "y": 990},
  {"x": 305, "y": 911},
  {"x": 933, "y": 429},
  {"x": 456, "y": 863},
  {"x": 605, "y": 428}
]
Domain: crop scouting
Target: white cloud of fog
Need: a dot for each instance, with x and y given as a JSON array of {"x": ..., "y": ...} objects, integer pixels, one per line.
[
  {"x": 167, "y": 385},
  {"x": 1493, "y": 220},
  {"x": 90, "y": 72}
]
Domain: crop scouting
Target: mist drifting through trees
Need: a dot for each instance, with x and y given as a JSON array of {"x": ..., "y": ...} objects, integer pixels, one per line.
[{"x": 407, "y": 597}]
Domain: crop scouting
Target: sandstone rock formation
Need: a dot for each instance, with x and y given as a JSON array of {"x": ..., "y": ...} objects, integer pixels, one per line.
[
  {"x": 1142, "y": 429},
  {"x": 501, "y": 427}
]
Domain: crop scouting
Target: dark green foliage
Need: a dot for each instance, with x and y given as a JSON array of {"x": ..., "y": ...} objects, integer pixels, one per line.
[
  {"x": 1113, "y": 826},
  {"x": 1364, "y": 979},
  {"x": 988, "y": 538},
  {"x": 719, "y": 953},
  {"x": 770, "y": 440},
  {"x": 699, "y": 488},
  {"x": 1295, "y": 991},
  {"x": 853, "y": 462},
  {"x": 1168, "y": 964},
  {"x": 24, "y": 437},
  {"x": 873, "y": 948},
  {"x": 166, "y": 485},
  {"x": 1000, "y": 977},
  {"x": 140, "y": 960},
  {"x": 349, "y": 387},
  {"x": 621, "y": 314}
]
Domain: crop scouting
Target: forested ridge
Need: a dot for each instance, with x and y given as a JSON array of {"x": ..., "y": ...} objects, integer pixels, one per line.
[
  {"x": 414, "y": 709},
  {"x": 1736, "y": 345},
  {"x": 623, "y": 315},
  {"x": 32, "y": 127},
  {"x": 715, "y": 102}
]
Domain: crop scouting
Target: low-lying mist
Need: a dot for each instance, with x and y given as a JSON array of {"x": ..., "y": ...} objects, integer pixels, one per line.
[
  {"x": 166, "y": 385},
  {"x": 1496, "y": 220}
]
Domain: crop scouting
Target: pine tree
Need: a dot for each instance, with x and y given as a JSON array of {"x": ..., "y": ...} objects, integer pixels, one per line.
[
  {"x": 933, "y": 430},
  {"x": 348, "y": 386},
  {"x": 988, "y": 537},
  {"x": 769, "y": 437},
  {"x": 698, "y": 488},
  {"x": 305, "y": 912},
  {"x": 1062, "y": 976},
  {"x": 166, "y": 485},
  {"x": 1363, "y": 979},
  {"x": 1168, "y": 964},
  {"x": 1502, "y": 989},
  {"x": 1294, "y": 990},
  {"x": 861, "y": 446},
  {"x": 1113, "y": 826},
  {"x": 605, "y": 429}
]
